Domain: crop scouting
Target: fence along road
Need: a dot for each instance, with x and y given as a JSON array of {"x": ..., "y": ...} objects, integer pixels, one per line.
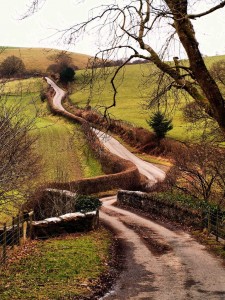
[{"x": 184, "y": 270}]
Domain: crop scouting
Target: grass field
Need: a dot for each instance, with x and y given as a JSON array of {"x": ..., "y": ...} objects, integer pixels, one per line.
[
  {"x": 131, "y": 97},
  {"x": 60, "y": 143},
  {"x": 38, "y": 58},
  {"x": 60, "y": 268}
]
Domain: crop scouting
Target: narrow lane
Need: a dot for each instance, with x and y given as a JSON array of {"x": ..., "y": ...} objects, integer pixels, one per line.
[
  {"x": 185, "y": 270},
  {"x": 147, "y": 169}
]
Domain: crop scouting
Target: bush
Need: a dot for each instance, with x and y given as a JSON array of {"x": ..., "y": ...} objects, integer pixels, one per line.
[{"x": 87, "y": 203}]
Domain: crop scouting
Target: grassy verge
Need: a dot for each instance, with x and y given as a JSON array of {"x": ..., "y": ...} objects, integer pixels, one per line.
[
  {"x": 217, "y": 248},
  {"x": 59, "y": 268},
  {"x": 156, "y": 160},
  {"x": 60, "y": 143}
]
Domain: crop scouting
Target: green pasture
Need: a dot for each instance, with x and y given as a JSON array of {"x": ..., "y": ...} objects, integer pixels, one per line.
[
  {"x": 61, "y": 144},
  {"x": 133, "y": 94}
]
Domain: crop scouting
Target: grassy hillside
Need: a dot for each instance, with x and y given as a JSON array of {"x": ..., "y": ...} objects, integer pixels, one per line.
[
  {"x": 38, "y": 58},
  {"x": 60, "y": 143},
  {"x": 131, "y": 97}
]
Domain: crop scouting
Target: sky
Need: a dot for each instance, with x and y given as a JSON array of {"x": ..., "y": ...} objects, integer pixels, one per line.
[{"x": 39, "y": 30}]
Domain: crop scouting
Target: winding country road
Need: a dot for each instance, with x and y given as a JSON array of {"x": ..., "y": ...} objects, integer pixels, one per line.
[
  {"x": 160, "y": 264},
  {"x": 147, "y": 169}
]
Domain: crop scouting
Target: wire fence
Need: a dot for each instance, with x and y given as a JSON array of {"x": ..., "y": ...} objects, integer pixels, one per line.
[
  {"x": 15, "y": 234},
  {"x": 214, "y": 222}
]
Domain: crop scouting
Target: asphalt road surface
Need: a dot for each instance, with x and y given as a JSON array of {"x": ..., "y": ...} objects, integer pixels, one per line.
[
  {"x": 161, "y": 264},
  {"x": 153, "y": 173}
]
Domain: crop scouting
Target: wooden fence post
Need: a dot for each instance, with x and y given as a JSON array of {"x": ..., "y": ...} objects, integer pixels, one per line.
[
  {"x": 4, "y": 244},
  {"x": 23, "y": 227},
  {"x": 217, "y": 224},
  {"x": 30, "y": 225},
  {"x": 209, "y": 221},
  {"x": 18, "y": 229},
  {"x": 13, "y": 232}
]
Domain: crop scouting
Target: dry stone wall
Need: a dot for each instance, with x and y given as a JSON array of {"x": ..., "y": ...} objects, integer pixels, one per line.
[{"x": 148, "y": 202}]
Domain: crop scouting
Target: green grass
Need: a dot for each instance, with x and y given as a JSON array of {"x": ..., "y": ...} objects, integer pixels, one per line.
[
  {"x": 38, "y": 58},
  {"x": 61, "y": 144},
  {"x": 131, "y": 97},
  {"x": 57, "y": 268}
]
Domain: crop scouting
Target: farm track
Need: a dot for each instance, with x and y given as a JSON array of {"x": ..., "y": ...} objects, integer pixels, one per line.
[{"x": 159, "y": 263}]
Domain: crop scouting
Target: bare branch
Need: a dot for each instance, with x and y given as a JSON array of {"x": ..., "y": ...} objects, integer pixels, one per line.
[{"x": 219, "y": 6}]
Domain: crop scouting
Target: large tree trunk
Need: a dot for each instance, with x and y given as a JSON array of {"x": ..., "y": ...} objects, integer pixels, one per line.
[{"x": 186, "y": 33}]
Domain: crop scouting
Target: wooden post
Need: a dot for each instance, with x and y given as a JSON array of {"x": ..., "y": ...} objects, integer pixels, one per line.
[
  {"x": 18, "y": 229},
  {"x": 4, "y": 244},
  {"x": 217, "y": 224},
  {"x": 23, "y": 228},
  {"x": 13, "y": 232},
  {"x": 30, "y": 224}
]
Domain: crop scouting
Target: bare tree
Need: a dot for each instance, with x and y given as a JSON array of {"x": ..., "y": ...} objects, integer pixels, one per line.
[
  {"x": 19, "y": 163},
  {"x": 135, "y": 25},
  {"x": 200, "y": 172}
]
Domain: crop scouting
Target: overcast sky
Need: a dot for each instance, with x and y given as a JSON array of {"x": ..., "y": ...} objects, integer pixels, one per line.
[{"x": 36, "y": 30}]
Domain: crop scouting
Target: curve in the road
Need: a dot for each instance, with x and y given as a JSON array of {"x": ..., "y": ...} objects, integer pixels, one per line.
[{"x": 147, "y": 169}]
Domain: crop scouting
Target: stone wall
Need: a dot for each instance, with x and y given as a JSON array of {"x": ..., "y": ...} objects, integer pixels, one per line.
[
  {"x": 68, "y": 223},
  {"x": 157, "y": 207}
]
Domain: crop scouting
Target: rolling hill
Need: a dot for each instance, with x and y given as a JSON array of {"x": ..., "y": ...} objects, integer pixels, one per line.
[
  {"x": 38, "y": 58},
  {"x": 134, "y": 89}
]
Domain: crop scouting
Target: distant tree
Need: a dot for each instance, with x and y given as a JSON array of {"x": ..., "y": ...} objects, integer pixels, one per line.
[
  {"x": 12, "y": 66},
  {"x": 62, "y": 57},
  {"x": 62, "y": 60},
  {"x": 67, "y": 75},
  {"x": 160, "y": 124},
  {"x": 63, "y": 68}
]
